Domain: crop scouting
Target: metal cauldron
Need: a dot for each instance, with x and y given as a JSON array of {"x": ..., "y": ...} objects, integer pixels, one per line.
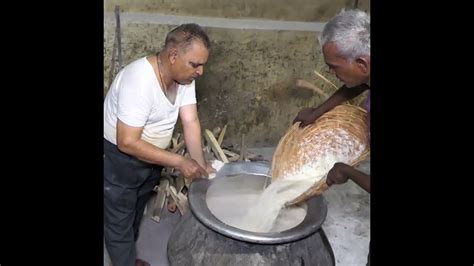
[
  {"x": 200, "y": 238},
  {"x": 257, "y": 177}
]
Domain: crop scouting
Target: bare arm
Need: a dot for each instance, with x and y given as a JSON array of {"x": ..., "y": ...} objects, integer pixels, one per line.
[
  {"x": 192, "y": 132},
  {"x": 192, "y": 135},
  {"x": 309, "y": 115},
  {"x": 129, "y": 141},
  {"x": 341, "y": 172},
  {"x": 342, "y": 94}
]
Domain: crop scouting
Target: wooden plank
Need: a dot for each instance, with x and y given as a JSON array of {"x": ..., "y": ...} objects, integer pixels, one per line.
[
  {"x": 234, "y": 158},
  {"x": 232, "y": 148},
  {"x": 176, "y": 148},
  {"x": 174, "y": 141},
  {"x": 221, "y": 135},
  {"x": 230, "y": 153},
  {"x": 212, "y": 142},
  {"x": 180, "y": 199},
  {"x": 162, "y": 191}
]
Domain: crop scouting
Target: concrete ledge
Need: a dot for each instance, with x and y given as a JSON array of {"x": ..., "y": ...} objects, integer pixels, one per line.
[{"x": 155, "y": 18}]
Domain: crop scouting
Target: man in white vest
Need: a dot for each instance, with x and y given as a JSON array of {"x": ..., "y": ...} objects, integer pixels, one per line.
[{"x": 140, "y": 112}]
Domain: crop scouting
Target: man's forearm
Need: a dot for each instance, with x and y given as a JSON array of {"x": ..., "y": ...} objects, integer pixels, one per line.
[
  {"x": 192, "y": 138},
  {"x": 342, "y": 94},
  {"x": 360, "y": 178}
]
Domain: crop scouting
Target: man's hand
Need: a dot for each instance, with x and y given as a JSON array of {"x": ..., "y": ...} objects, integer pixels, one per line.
[
  {"x": 337, "y": 174},
  {"x": 210, "y": 169},
  {"x": 307, "y": 116},
  {"x": 189, "y": 168},
  {"x": 341, "y": 172}
]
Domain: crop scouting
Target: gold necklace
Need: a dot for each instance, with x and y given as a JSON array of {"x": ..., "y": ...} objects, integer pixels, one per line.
[{"x": 158, "y": 64}]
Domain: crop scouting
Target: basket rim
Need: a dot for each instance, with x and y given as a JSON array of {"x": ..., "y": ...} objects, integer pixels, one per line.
[{"x": 318, "y": 187}]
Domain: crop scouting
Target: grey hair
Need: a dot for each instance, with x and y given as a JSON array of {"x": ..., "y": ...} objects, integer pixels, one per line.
[
  {"x": 350, "y": 32},
  {"x": 183, "y": 35}
]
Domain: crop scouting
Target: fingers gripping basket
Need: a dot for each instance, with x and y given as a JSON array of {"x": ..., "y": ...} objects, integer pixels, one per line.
[{"x": 342, "y": 132}]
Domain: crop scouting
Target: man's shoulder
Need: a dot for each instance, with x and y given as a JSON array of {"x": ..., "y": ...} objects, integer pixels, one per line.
[
  {"x": 139, "y": 63},
  {"x": 137, "y": 70}
]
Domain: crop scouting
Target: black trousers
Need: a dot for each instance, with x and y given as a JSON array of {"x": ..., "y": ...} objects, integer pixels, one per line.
[{"x": 128, "y": 185}]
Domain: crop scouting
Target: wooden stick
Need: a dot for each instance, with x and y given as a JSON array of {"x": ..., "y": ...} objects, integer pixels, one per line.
[
  {"x": 176, "y": 148},
  {"x": 171, "y": 205},
  {"x": 242, "y": 148},
  {"x": 112, "y": 65},
  {"x": 119, "y": 38},
  {"x": 174, "y": 141},
  {"x": 212, "y": 142},
  {"x": 180, "y": 199},
  {"x": 221, "y": 135},
  {"x": 230, "y": 153},
  {"x": 234, "y": 158},
  {"x": 161, "y": 192},
  {"x": 325, "y": 79},
  {"x": 231, "y": 148},
  {"x": 305, "y": 84}
]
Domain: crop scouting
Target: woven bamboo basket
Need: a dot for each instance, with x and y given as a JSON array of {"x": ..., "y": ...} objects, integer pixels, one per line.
[{"x": 341, "y": 131}]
